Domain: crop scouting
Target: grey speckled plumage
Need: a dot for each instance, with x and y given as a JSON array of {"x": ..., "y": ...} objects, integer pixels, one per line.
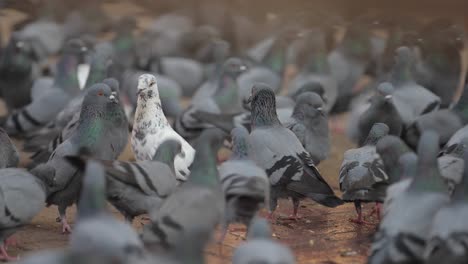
[
  {"x": 276, "y": 149},
  {"x": 96, "y": 228},
  {"x": 309, "y": 123},
  {"x": 261, "y": 248},
  {"x": 197, "y": 206},
  {"x": 245, "y": 185},
  {"x": 403, "y": 232},
  {"x": 22, "y": 196}
]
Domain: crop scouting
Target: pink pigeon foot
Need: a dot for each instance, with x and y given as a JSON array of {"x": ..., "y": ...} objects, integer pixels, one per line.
[
  {"x": 4, "y": 255},
  {"x": 66, "y": 228}
]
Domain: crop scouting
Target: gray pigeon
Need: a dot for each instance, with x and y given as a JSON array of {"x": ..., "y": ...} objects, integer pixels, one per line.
[
  {"x": 224, "y": 98},
  {"x": 362, "y": 173},
  {"x": 197, "y": 206},
  {"x": 445, "y": 122},
  {"x": 97, "y": 231},
  {"x": 9, "y": 156},
  {"x": 310, "y": 125},
  {"x": 136, "y": 188},
  {"x": 403, "y": 232},
  {"x": 16, "y": 73},
  {"x": 448, "y": 236},
  {"x": 245, "y": 185},
  {"x": 96, "y": 132},
  {"x": 22, "y": 196},
  {"x": 381, "y": 110},
  {"x": 279, "y": 152},
  {"x": 410, "y": 99},
  {"x": 261, "y": 248},
  {"x": 44, "y": 109}
]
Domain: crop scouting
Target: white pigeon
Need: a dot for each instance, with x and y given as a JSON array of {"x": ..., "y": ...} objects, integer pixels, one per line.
[{"x": 151, "y": 128}]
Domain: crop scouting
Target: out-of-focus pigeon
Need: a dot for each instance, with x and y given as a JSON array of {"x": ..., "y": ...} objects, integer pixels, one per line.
[
  {"x": 245, "y": 185},
  {"x": 16, "y": 73},
  {"x": 381, "y": 110},
  {"x": 93, "y": 132},
  {"x": 22, "y": 196},
  {"x": 260, "y": 247},
  {"x": 136, "y": 188},
  {"x": 445, "y": 122},
  {"x": 315, "y": 69},
  {"x": 362, "y": 172},
  {"x": 222, "y": 98},
  {"x": 44, "y": 108},
  {"x": 449, "y": 234},
  {"x": 410, "y": 99},
  {"x": 403, "y": 232},
  {"x": 440, "y": 65},
  {"x": 151, "y": 128},
  {"x": 9, "y": 156},
  {"x": 310, "y": 125},
  {"x": 97, "y": 231},
  {"x": 195, "y": 207},
  {"x": 279, "y": 152}
]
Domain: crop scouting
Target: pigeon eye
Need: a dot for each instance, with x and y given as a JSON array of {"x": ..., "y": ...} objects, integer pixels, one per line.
[{"x": 100, "y": 94}]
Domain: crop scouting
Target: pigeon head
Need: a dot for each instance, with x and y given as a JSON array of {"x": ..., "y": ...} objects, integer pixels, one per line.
[
  {"x": 378, "y": 131},
  {"x": 99, "y": 94},
  {"x": 390, "y": 148},
  {"x": 308, "y": 104},
  {"x": 93, "y": 194},
  {"x": 76, "y": 47},
  {"x": 17, "y": 58},
  {"x": 263, "y": 105},
  {"x": 314, "y": 87},
  {"x": 383, "y": 95},
  {"x": 233, "y": 67},
  {"x": 101, "y": 63},
  {"x": 167, "y": 152},
  {"x": 147, "y": 87},
  {"x": 114, "y": 85},
  {"x": 259, "y": 228},
  {"x": 240, "y": 146},
  {"x": 404, "y": 66},
  {"x": 407, "y": 164},
  {"x": 428, "y": 176}
]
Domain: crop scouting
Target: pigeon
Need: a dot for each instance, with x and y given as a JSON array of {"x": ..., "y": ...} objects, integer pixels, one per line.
[
  {"x": 22, "y": 197},
  {"x": 452, "y": 165},
  {"x": 261, "y": 248},
  {"x": 279, "y": 152},
  {"x": 448, "y": 234},
  {"x": 404, "y": 231},
  {"x": 197, "y": 206},
  {"x": 94, "y": 131},
  {"x": 314, "y": 87},
  {"x": 440, "y": 65},
  {"x": 348, "y": 62},
  {"x": 362, "y": 174},
  {"x": 44, "y": 109},
  {"x": 222, "y": 97},
  {"x": 446, "y": 122},
  {"x": 16, "y": 73},
  {"x": 151, "y": 128},
  {"x": 410, "y": 99},
  {"x": 245, "y": 185},
  {"x": 310, "y": 125},
  {"x": 9, "y": 155},
  {"x": 96, "y": 228},
  {"x": 315, "y": 69},
  {"x": 136, "y": 188},
  {"x": 381, "y": 110}
]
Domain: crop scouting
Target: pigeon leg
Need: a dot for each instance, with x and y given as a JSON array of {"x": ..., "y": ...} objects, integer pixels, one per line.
[
  {"x": 376, "y": 210},
  {"x": 358, "y": 220},
  {"x": 273, "y": 205},
  {"x": 4, "y": 255},
  {"x": 11, "y": 241},
  {"x": 294, "y": 215},
  {"x": 66, "y": 229}
]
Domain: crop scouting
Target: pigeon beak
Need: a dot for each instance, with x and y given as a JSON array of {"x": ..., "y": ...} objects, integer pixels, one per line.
[
  {"x": 320, "y": 110},
  {"x": 388, "y": 97},
  {"x": 84, "y": 49},
  {"x": 243, "y": 68},
  {"x": 113, "y": 97}
]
